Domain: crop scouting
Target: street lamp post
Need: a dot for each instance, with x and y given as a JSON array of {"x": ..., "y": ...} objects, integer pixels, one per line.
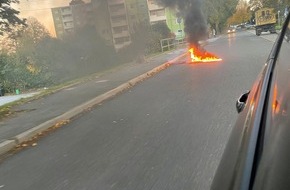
[
  {"x": 278, "y": 7},
  {"x": 279, "y": 17}
]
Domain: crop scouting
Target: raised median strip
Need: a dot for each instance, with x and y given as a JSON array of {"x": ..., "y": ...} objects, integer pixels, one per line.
[
  {"x": 6, "y": 146},
  {"x": 23, "y": 137}
]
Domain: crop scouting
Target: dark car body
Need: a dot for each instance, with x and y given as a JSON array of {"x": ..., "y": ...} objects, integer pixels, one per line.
[{"x": 257, "y": 155}]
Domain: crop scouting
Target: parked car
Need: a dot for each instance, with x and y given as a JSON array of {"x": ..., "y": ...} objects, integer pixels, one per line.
[{"x": 257, "y": 155}]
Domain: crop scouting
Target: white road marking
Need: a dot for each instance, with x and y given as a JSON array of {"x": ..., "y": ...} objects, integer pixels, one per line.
[
  {"x": 101, "y": 81},
  {"x": 70, "y": 88}
]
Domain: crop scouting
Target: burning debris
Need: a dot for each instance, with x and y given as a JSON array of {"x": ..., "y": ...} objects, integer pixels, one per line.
[
  {"x": 195, "y": 27},
  {"x": 199, "y": 55}
]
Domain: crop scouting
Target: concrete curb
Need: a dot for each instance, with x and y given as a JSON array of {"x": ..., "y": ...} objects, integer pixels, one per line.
[{"x": 7, "y": 145}]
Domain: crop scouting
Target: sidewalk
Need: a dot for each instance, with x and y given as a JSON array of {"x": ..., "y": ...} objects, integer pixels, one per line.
[
  {"x": 12, "y": 98},
  {"x": 40, "y": 114}
]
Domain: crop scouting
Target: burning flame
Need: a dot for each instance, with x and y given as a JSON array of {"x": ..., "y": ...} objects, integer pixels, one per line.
[{"x": 197, "y": 55}]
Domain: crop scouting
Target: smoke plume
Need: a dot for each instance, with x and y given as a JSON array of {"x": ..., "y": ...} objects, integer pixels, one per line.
[{"x": 194, "y": 22}]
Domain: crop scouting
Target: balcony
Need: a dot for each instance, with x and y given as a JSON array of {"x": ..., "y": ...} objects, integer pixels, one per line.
[
  {"x": 116, "y": 2},
  {"x": 68, "y": 25},
  {"x": 119, "y": 23},
  {"x": 121, "y": 34},
  {"x": 67, "y": 18},
  {"x": 155, "y": 18},
  {"x": 120, "y": 46},
  {"x": 66, "y": 11},
  {"x": 153, "y": 6},
  {"x": 118, "y": 13}
]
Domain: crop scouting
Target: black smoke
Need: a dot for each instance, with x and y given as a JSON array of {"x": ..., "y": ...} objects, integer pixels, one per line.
[{"x": 194, "y": 20}]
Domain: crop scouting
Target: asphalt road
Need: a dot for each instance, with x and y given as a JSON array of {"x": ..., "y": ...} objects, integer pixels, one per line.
[{"x": 167, "y": 133}]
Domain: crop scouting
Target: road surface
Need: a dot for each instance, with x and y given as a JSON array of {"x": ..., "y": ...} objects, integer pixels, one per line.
[{"x": 166, "y": 133}]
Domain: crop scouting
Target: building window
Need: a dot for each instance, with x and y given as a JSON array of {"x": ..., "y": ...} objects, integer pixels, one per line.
[
  {"x": 122, "y": 40},
  {"x": 116, "y": 19},
  {"x": 65, "y": 9},
  {"x": 69, "y": 30},
  {"x": 120, "y": 29},
  {"x": 67, "y": 16},
  {"x": 116, "y": 8},
  {"x": 158, "y": 13},
  {"x": 68, "y": 24}
]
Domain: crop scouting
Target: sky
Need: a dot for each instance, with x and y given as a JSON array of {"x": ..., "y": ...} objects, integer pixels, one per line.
[{"x": 41, "y": 10}]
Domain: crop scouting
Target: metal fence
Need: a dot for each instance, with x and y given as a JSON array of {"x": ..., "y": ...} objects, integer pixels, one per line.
[{"x": 170, "y": 43}]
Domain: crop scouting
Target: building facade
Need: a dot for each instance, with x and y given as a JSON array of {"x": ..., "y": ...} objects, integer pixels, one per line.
[
  {"x": 67, "y": 19},
  {"x": 175, "y": 23},
  {"x": 63, "y": 20},
  {"x": 114, "y": 20},
  {"x": 119, "y": 23}
]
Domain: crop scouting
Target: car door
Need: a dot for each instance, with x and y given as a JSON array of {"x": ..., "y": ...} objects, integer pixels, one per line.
[
  {"x": 242, "y": 155},
  {"x": 273, "y": 165}
]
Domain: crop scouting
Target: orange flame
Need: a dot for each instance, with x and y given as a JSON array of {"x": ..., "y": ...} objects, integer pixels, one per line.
[{"x": 202, "y": 56}]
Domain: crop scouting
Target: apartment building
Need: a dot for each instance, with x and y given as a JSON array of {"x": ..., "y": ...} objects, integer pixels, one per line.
[
  {"x": 156, "y": 12},
  {"x": 63, "y": 20},
  {"x": 67, "y": 19},
  {"x": 109, "y": 17},
  {"x": 115, "y": 20},
  {"x": 119, "y": 23}
]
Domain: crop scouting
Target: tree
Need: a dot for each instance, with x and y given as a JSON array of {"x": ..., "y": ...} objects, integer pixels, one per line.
[
  {"x": 218, "y": 12},
  {"x": 32, "y": 34},
  {"x": 271, "y": 3},
  {"x": 255, "y": 4},
  {"x": 28, "y": 39},
  {"x": 241, "y": 15},
  {"x": 162, "y": 28},
  {"x": 9, "y": 16}
]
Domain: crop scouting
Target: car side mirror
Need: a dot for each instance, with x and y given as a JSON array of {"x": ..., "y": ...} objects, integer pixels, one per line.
[{"x": 241, "y": 102}]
